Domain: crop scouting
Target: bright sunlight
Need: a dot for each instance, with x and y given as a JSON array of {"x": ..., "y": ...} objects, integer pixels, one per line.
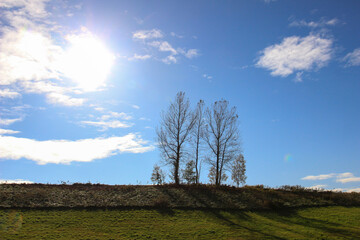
[{"x": 87, "y": 61}]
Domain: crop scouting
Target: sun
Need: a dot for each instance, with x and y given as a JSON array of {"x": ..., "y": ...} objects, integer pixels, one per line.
[{"x": 87, "y": 61}]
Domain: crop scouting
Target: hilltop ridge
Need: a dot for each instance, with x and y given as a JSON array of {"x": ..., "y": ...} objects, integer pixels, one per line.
[{"x": 79, "y": 195}]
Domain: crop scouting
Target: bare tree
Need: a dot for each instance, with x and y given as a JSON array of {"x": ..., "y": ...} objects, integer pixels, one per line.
[
  {"x": 197, "y": 134},
  {"x": 157, "y": 176},
  {"x": 222, "y": 136},
  {"x": 238, "y": 170},
  {"x": 173, "y": 133}
]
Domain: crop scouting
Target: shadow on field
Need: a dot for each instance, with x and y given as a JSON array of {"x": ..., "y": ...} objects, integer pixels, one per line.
[
  {"x": 291, "y": 217},
  {"x": 241, "y": 216}
]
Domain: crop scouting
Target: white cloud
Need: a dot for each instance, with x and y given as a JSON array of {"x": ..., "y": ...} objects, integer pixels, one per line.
[
  {"x": 353, "y": 58},
  {"x": 7, "y": 122},
  {"x": 317, "y": 187},
  {"x": 139, "y": 57},
  {"x": 148, "y": 34},
  {"x": 7, "y": 93},
  {"x": 109, "y": 120},
  {"x": 121, "y": 115},
  {"x": 169, "y": 59},
  {"x": 43, "y": 62},
  {"x": 350, "y": 179},
  {"x": 163, "y": 46},
  {"x": 144, "y": 119},
  {"x": 207, "y": 76},
  {"x": 15, "y": 181},
  {"x": 191, "y": 53},
  {"x": 66, "y": 151},
  {"x": 345, "y": 190},
  {"x": 176, "y": 35},
  {"x": 314, "y": 24},
  {"x": 34, "y": 8},
  {"x": 298, "y": 77},
  {"x": 345, "y": 175},
  {"x": 7, "y": 131},
  {"x": 354, "y": 190},
  {"x": 99, "y": 109},
  {"x": 135, "y": 106},
  {"x": 340, "y": 177},
  {"x": 319, "y": 177},
  {"x": 338, "y": 190},
  {"x": 108, "y": 124},
  {"x": 59, "y": 98},
  {"x": 296, "y": 54}
]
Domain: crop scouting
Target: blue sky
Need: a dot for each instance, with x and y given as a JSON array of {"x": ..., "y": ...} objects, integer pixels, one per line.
[{"x": 82, "y": 85}]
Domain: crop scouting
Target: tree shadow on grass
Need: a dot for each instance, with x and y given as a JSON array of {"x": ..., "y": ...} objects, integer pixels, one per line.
[
  {"x": 166, "y": 211},
  {"x": 292, "y": 217},
  {"x": 242, "y": 216}
]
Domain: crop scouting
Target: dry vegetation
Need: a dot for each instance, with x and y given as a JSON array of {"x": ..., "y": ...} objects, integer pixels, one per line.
[{"x": 168, "y": 196}]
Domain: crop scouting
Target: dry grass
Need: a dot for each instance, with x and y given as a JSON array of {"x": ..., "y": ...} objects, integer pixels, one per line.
[{"x": 168, "y": 196}]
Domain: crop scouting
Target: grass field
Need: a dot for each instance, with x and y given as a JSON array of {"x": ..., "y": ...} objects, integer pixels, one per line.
[{"x": 308, "y": 223}]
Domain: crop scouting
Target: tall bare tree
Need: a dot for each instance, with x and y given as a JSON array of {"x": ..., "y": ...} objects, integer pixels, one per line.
[
  {"x": 174, "y": 131},
  {"x": 198, "y": 134},
  {"x": 222, "y": 136}
]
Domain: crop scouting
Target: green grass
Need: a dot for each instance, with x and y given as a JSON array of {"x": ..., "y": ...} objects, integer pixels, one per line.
[{"x": 308, "y": 223}]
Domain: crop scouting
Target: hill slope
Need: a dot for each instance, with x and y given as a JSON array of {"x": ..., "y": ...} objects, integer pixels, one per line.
[
  {"x": 308, "y": 223},
  {"x": 168, "y": 196}
]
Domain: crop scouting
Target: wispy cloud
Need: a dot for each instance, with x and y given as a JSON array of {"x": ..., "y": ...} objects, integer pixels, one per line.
[
  {"x": 151, "y": 38},
  {"x": 144, "y": 119},
  {"x": 319, "y": 177},
  {"x": 349, "y": 179},
  {"x": 110, "y": 120},
  {"x": 65, "y": 100},
  {"x": 15, "y": 181},
  {"x": 7, "y": 131},
  {"x": 207, "y": 76},
  {"x": 176, "y": 35},
  {"x": 345, "y": 189},
  {"x": 315, "y": 24},
  {"x": 7, "y": 122},
  {"x": 169, "y": 59},
  {"x": 317, "y": 187},
  {"x": 191, "y": 53},
  {"x": 353, "y": 58},
  {"x": 108, "y": 124},
  {"x": 163, "y": 46},
  {"x": 135, "y": 106},
  {"x": 7, "y": 93},
  {"x": 148, "y": 34},
  {"x": 139, "y": 57},
  {"x": 340, "y": 177},
  {"x": 66, "y": 151},
  {"x": 295, "y": 54},
  {"x": 298, "y": 77},
  {"x": 353, "y": 190},
  {"x": 120, "y": 115}
]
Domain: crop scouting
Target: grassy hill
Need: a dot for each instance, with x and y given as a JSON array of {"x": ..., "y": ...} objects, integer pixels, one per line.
[
  {"x": 308, "y": 223},
  {"x": 95, "y": 211},
  {"x": 168, "y": 196}
]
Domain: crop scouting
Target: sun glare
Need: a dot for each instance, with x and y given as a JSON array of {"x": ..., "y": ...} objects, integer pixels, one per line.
[{"x": 87, "y": 61}]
